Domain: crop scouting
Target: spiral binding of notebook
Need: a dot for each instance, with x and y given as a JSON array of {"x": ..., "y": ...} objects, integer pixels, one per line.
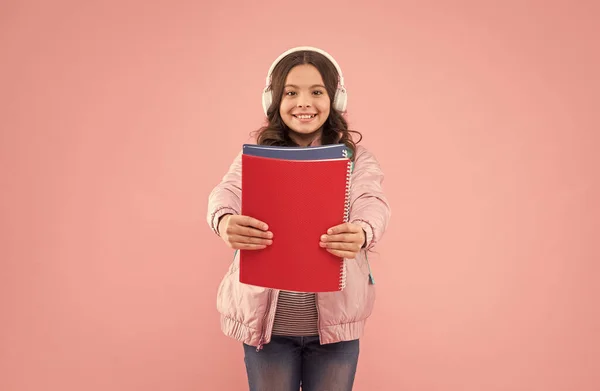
[{"x": 346, "y": 217}]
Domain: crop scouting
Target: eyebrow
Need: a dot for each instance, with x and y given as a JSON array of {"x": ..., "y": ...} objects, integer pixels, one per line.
[{"x": 313, "y": 86}]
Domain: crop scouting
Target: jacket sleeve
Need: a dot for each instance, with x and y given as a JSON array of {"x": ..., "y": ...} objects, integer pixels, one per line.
[
  {"x": 369, "y": 207},
  {"x": 226, "y": 196}
]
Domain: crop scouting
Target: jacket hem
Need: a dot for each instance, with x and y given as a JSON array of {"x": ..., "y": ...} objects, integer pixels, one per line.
[
  {"x": 239, "y": 331},
  {"x": 342, "y": 332},
  {"x": 328, "y": 334}
]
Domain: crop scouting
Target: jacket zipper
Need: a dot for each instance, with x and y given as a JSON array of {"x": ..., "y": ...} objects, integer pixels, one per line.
[
  {"x": 318, "y": 316},
  {"x": 261, "y": 342}
]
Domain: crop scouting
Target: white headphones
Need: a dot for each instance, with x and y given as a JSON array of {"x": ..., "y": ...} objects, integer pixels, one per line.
[{"x": 340, "y": 100}]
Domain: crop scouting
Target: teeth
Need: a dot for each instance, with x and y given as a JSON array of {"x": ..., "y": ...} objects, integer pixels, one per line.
[{"x": 305, "y": 116}]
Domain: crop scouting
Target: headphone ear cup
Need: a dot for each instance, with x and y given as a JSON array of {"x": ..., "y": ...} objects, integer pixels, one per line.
[
  {"x": 340, "y": 101},
  {"x": 267, "y": 99}
]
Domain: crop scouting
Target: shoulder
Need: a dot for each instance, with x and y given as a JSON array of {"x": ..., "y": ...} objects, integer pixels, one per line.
[
  {"x": 364, "y": 155},
  {"x": 361, "y": 150}
]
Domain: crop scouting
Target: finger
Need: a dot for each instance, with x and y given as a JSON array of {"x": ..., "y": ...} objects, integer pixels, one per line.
[
  {"x": 337, "y": 229},
  {"x": 344, "y": 237},
  {"x": 252, "y": 222},
  {"x": 344, "y": 227},
  {"x": 354, "y": 247},
  {"x": 342, "y": 254},
  {"x": 250, "y": 240},
  {"x": 248, "y": 231},
  {"x": 247, "y": 246}
]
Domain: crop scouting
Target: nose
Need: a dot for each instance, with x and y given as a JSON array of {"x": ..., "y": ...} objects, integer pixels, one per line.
[{"x": 304, "y": 100}]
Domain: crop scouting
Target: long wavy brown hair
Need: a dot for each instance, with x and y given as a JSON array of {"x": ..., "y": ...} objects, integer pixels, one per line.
[{"x": 335, "y": 129}]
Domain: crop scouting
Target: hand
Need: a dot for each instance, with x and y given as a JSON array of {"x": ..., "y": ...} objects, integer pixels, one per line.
[
  {"x": 244, "y": 232},
  {"x": 344, "y": 240}
]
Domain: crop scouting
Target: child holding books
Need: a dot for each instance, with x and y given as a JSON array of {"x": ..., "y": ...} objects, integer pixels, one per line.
[{"x": 292, "y": 338}]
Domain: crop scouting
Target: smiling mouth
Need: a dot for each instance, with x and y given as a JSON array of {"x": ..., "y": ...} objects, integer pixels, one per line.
[{"x": 304, "y": 116}]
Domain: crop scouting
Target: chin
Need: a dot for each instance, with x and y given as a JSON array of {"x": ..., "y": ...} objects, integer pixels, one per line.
[{"x": 306, "y": 129}]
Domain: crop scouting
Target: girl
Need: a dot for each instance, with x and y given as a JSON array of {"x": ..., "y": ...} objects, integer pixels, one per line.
[{"x": 292, "y": 339}]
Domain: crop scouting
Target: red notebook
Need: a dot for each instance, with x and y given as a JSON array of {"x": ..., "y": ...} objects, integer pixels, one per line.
[{"x": 299, "y": 200}]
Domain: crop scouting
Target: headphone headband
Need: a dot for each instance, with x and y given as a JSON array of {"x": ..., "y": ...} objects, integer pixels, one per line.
[{"x": 308, "y": 48}]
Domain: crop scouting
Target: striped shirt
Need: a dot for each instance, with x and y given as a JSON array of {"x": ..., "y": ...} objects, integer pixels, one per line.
[{"x": 296, "y": 314}]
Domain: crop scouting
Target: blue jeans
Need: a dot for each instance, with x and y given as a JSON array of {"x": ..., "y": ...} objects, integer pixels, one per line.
[{"x": 287, "y": 362}]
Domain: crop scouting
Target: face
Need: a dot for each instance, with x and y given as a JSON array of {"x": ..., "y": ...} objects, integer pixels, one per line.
[{"x": 305, "y": 103}]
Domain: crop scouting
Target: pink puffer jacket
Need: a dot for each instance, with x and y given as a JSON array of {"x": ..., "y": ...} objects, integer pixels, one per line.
[{"x": 247, "y": 312}]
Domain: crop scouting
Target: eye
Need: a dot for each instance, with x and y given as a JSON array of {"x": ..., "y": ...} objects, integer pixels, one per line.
[
  {"x": 290, "y": 93},
  {"x": 318, "y": 92}
]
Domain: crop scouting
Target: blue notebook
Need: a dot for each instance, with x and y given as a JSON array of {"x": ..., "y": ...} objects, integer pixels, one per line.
[{"x": 319, "y": 152}]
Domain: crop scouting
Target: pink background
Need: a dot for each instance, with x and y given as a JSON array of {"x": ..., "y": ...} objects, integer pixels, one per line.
[{"x": 118, "y": 118}]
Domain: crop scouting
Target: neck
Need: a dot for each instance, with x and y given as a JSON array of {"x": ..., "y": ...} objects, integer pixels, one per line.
[{"x": 306, "y": 140}]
